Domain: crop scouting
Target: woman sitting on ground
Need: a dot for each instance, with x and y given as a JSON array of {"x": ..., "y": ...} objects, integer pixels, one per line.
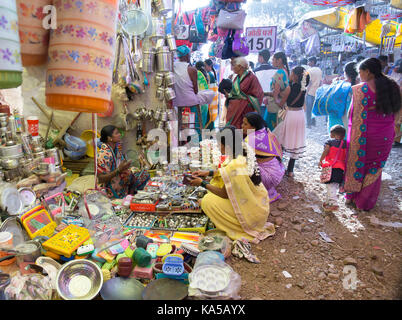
[
  {"x": 237, "y": 201},
  {"x": 114, "y": 171},
  {"x": 268, "y": 152}
]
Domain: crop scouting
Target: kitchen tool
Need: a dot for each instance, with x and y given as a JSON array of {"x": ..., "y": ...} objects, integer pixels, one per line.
[
  {"x": 79, "y": 280},
  {"x": 164, "y": 6},
  {"x": 171, "y": 41},
  {"x": 165, "y": 289},
  {"x": 163, "y": 59},
  {"x": 158, "y": 28},
  {"x": 29, "y": 251},
  {"x": 160, "y": 93},
  {"x": 169, "y": 79},
  {"x": 159, "y": 79},
  {"x": 13, "y": 225},
  {"x": 11, "y": 151},
  {"x": 51, "y": 267},
  {"x": 122, "y": 289},
  {"x": 169, "y": 95},
  {"x": 148, "y": 61}
]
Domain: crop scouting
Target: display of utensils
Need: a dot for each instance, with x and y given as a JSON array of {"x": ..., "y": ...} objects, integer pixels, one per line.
[
  {"x": 163, "y": 6},
  {"x": 9, "y": 163},
  {"x": 39, "y": 155},
  {"x": 157, "y": 114},
  {"x": 148, "y": 60},
  {"x": 10, "y": 151},
  {"x": 169, "y": 79},
  {"x": 171, "y": 42},
  {"x": 3, "y": 118},
  {"x": 163, "y": 59}
]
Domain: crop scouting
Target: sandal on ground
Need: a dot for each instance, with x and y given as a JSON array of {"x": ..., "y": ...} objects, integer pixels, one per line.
[{"x": 329, "y": 208}]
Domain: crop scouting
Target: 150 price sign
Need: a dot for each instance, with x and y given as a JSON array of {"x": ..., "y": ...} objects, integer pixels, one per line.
[{"x": 259, "y": 38}]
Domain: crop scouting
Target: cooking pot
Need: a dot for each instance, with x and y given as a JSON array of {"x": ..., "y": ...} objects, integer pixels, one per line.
[
  {"x": 157, "y": 114},
  {"x": 164, "y": 59},
  {"x": 169, "y": 94},
  {"x": 158, "y": 28},
  {"x": 171, "y": 41},
  {"x": 159, "y": 79},
  {"x": 148, "y": 61},
  {"x": 28, "y": 251},
  {"x": 169, "y": 79},
  {"x": 164, "y": 6},
  {"x": 10, "y": 151},
  {"x": 9, "y": 163},
  {"x": 160, "y": 92}
]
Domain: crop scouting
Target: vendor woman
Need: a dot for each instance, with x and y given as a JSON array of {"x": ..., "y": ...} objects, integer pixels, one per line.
[
  {"x": 114, "y": 170},
  {"x": 237, "y": 202}
]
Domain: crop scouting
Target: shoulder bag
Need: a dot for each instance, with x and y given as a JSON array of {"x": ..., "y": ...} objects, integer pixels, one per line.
[{"x": 326, "y": 172}]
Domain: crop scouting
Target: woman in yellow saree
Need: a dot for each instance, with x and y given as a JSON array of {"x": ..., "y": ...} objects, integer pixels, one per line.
[{"x": 237, "y": 202}]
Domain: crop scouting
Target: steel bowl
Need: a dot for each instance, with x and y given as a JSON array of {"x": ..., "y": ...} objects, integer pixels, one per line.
[{"x": 79, "y": 280}]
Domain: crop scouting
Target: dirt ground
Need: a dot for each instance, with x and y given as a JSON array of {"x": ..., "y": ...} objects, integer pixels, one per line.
[{"x": 320, "y": 270}]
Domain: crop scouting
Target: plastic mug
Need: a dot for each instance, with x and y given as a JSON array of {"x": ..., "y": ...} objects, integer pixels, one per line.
[
  {"x": 6, "y": 240},
  {"x": 33, "y": 125}
]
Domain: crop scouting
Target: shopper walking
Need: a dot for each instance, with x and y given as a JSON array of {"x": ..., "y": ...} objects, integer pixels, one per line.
[{"x": 315, "y": 82}]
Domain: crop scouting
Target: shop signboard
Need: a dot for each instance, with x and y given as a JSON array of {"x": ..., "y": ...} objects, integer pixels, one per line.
[{"x": 259, "y": 38}]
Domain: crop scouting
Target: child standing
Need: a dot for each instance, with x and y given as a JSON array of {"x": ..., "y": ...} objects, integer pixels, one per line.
[{"x": 334, "y": 155}]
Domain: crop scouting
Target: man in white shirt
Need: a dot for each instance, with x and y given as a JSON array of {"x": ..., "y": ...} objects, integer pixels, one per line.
[
  {"x": 264, "y": 73},
  {"x": 315, "y": 82}
]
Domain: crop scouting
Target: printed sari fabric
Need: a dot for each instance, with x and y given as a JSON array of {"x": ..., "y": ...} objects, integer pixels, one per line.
[
  {"x": 245, "y": 213},
  {"x": 246, "y": 96},
  {"x": 266, "y": 144},
  {"x": 369, "y": 142},
  {"x": 203, "y": 85},
  {"x": 126, "y": 182}
]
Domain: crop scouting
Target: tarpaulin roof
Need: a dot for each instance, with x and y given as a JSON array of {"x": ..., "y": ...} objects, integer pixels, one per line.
[{"x": 335, "y": 18}]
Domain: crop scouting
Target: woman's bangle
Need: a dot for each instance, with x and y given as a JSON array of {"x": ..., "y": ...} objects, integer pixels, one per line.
[
  {"x": 204, "y": 184},
  {"x": 211, "y": 173}
]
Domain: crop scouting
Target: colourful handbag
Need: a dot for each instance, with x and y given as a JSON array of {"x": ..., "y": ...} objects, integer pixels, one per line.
[
  {"x": 228, "y": 19},
  {"x": 239, "y": 46},
  {"x": 326, "y": 172}
]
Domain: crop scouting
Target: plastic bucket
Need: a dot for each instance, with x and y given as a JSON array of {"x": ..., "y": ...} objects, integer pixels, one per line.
[
  {"x": 87, "y": 136},
  {"x": 33, "y": 125}
]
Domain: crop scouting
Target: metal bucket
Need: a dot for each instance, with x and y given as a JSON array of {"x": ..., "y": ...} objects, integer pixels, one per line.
[
  {"x": 55, "y": 153},
  {"x": 158, "y": 28},
  {"x": 164, "y": 59}
]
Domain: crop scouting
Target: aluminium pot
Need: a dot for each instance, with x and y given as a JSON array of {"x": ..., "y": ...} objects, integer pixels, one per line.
[
  {"x": 29, "y": 251},
  {"x": 55, "y": 153},
  {"x": 171, "y": 41},
  {"x": 163, "y": 59},
  {"x": 169, "y": 95},
  {"x": 169, "y": 79},
  {"x": 148, "y": 61},
  {"x": 160, "y": 94},
  {"x": 9, "y": 163},
  {"x": 11, "y": 151},
  {"x": 159, "y": 79}
]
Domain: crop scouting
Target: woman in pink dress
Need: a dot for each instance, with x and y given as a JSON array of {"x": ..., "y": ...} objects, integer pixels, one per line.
[{"x": 376, "y": 101}]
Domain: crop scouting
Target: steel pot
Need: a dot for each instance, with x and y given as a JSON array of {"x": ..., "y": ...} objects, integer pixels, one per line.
[
  {"x": 148, "y": 61},
  {"x": 159, "y": 79},
  {"x": 164, "y": 6},
  {"x": 160, "y": 92},
  {"x": 160, "y": 43},
  {"x": 11, "y": 151},
  {"x": 158, "y": 28},
  {"x": 29, "y": 251},
  {"x": 164, "y": 59},
  {"x": 157, "y": 115},
  {"x": 3, "y": 124},
  {"x": 9, "y": 163},
  {"x": 164, "y": 116},
  {"x": 169, "y": 94},
  {"x": 150, "y": 114},
  {"x": 171, "y": 41},
  {"x": 171, "y": 116},
  {"x": 169, "y": 79},
  {"x": 3, "y": 118}
]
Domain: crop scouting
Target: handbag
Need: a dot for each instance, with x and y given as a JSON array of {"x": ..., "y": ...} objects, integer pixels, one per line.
[
  {"x": 181, "y": 29},
  {"x": 218, "y": 48},
  {"x": 239, "y": 46},
  {"x": 326, "y": 172},
  {"x": 227, "y": 51},
  {"x": 231, "y": 19}
]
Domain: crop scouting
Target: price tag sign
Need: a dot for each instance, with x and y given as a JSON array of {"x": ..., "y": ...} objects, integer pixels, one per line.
[{"x": 259, "y": 38}]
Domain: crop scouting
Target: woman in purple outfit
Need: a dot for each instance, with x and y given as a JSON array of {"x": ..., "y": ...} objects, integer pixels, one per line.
[
  {"x": 375, "y": 103},
  {"x": 268, "y": 152}
]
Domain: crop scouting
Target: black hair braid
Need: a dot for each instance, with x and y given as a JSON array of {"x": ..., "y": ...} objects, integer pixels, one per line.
[
  {"x": 282, "y": 56},
  {"x": 350, "y": 70},
  {"x": 388, "y": 99}
]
